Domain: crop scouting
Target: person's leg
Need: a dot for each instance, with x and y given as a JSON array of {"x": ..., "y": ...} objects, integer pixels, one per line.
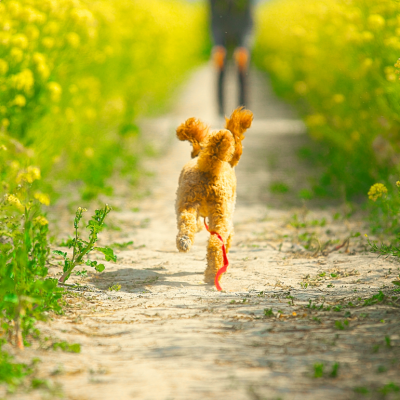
[
  {"x": 219, "y": 56},
  {"x": 242, "y": 60},
  {"x": 242, "y": 63}
]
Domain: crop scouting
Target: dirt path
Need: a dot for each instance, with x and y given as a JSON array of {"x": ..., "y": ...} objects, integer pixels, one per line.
[{"x": 166, "y": 335}]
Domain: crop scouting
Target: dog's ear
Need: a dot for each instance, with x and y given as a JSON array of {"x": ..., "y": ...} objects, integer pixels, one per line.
[
  {"x": 195, "y": 132},
  {"x": 238, "y": 123}
]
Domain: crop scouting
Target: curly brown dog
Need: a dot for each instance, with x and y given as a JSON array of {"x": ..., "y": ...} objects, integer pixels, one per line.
[{"x": 207, "y": 184}]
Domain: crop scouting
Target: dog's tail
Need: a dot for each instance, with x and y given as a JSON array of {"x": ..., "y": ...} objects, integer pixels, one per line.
[
  {"x": 218, "y": 150},
  {"x": 195, "y": 132},
  {"x": 238, "y": 123}
]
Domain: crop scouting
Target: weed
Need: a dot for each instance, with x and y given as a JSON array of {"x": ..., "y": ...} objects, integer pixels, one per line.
[
  {"x": 341, "y": 325},
  {"x": 335, "y": 370},
  {"x": 69, "y": 348},
  {"x": 81, "y": 273},
  {"x": 361, "y": 390},
  {"x": 318, "y": 370},
  {"x": 81, "y": 247},
  {"x": 115, "y": 288},
  {"x": 278, "y": 187},
  {"x": 381, "y": 369},
  {"x": 121, "y": 246},
  {"x": 389, "y": 388},
  {"x": 268, "y": 312}
]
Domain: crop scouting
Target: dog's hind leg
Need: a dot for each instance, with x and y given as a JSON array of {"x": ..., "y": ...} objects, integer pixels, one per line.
[
  {"x": 214, "y": 250},
  {"x": 187, "y": 227}
]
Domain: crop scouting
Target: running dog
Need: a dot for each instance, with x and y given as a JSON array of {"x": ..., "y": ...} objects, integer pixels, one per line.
[{"x": 207, "y": 184}]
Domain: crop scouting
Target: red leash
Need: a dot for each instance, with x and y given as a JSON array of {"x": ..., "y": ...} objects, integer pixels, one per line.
[{"x": 223, "y": 269}]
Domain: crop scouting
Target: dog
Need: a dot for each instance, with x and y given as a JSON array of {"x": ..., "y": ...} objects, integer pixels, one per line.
[{"x": 207, "y": 184}]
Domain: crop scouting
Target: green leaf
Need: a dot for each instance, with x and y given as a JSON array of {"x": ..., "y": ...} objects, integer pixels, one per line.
[
  {"x": 396, "y": 283},
  {"x": 11, "y": 297},
  {"x": 100, "y": 268},
  {"x": 108, "y": 253},
  {"x": 60, "y": 253}
]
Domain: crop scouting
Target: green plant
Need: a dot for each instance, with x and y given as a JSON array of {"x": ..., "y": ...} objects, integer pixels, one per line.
[
  {"x": 335, "y": 370},
  {"x": 115, "y": 288},
  {"x": 67, "y": 347},
  {"x": 12, "y": 374},
  {"x": 25, "y": 291},
  {"x": 268, "y": 312},
  {"x": 82, "y": 248},
  {"x": 318, "y": 370},
  {"x": 122, "y": 246}
]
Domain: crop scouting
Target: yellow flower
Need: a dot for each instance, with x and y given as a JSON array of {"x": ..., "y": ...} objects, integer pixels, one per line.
[
  {"x": 23, "y": 81},
  {"x": 29, "y": 175},
  {"x": 367, "y": 36},
  {"x": 89, "y": 152},
  {"x": 32, "y": 32},
  {"x": 41, "y": 220},
  {"x": 20, "y": 41},
  {"x": 73, "y": 39},
  {"x": 43, "y": 70},
  {"x": 338, "y": 98},
  {"x": 14, "y": 202},
  {"x": 48, "y": 42},
  {"x": 300, "y": 87},
  {"x": 14, "y": 8},
  {"x": 41, "y": 65},
  {"x": 5, "y": 122},
  {"x": 51, "y": 28},
  {"x": 16, "y": 54},
  {"x": 55, "y": 91},
  {"x": 14, "y": 165},
  {"x": 376, "y": 21},
  {"x": 3, "y": 67},
  {"x": 42, "y": 198},
  {"x": 355, "y": 136},
  {"x": 316, "y": 120},
  {"x": 377, "y": 190},
  {"x": 19, "y": 100}
]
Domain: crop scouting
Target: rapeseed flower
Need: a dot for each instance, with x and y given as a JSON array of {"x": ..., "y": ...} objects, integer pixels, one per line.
[
  {"x": 19, "y": 101},
  {"x": 73, "y": 39},
  {"x": 17, "y": 55},
  {"x": 29, "y": 175},
  {"x": 376, "y": 22},
  {"x": 42, "y": 198},
  {"x": 14, "y": 201},
  {"x": 41, "y": 220},
  {"x": 3, "y": 67},
  {"x": 55, "y": 91},
  {"x": 376, "y": 191},
  {"x": 23, "y": 81},
  {"x": 20, "y": 41}
]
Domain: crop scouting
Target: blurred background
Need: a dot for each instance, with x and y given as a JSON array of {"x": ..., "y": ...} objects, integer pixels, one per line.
[{"x": 76, "y": 76}]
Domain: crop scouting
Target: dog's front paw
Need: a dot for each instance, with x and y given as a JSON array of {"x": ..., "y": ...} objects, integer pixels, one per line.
[{"x": 183, "y": 243}]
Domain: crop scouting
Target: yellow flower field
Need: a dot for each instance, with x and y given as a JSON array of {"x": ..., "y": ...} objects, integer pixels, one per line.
[
  {"x": 75, "y": 74},
  {"x": 337, "y": 60}
]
